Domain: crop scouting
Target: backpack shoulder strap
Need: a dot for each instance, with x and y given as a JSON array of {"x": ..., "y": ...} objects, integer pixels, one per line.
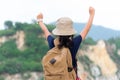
[
  {"x": 66, "y": 52},
  {"x": 68, "y": 57}
]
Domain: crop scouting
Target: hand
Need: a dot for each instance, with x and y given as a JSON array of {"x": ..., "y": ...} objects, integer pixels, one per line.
[
  {"x": 40, "y": 16},
  {"x": 91, "y": 11}
]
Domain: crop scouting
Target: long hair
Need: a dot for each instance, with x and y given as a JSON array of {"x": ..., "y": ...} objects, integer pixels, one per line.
[{"x": 65, "y": 41}]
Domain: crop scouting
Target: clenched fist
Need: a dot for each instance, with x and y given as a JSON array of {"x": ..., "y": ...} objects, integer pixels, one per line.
[
  {"x": 40, "y": 16},
  {"x": 91, "y": 11}
]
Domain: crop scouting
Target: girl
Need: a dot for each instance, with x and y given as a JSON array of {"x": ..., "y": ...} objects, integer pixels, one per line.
[{"x": 65, "y": 31}]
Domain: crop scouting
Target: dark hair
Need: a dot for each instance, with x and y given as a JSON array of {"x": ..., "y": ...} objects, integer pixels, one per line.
[{"x": 65, "y": 41}]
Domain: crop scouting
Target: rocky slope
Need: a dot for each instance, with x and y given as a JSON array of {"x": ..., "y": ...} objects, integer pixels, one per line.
[
  {"x": 102, "y": 65},
  {"x": 19, "y": 37},
  {"x": 97, "y": 66}
]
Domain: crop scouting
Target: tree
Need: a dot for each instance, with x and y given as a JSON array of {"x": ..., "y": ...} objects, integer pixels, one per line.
[
  {"x": 8, "y": 24},
  {"x": 18, "y": 26}
]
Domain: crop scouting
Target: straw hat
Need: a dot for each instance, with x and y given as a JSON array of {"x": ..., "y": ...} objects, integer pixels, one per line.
[{"x": 64, "y": 26}]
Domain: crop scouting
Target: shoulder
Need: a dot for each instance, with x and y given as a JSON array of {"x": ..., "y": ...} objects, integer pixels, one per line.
[
  {"x": 77, "y": 38},
  {"x": 50, "y": 37},
  {"x": 50, "y": 40}
]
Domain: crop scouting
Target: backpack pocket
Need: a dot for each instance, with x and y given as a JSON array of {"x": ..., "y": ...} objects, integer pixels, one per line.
[
  {"x": 72, "y": 75},
  {"x": 55, "y": 77}
]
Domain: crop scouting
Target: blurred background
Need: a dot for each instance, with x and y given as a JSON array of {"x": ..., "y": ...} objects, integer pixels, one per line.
[{"x": 22, "y": 43}]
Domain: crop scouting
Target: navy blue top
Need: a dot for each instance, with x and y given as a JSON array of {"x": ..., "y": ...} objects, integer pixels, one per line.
[{"x": 76, "y": 43}]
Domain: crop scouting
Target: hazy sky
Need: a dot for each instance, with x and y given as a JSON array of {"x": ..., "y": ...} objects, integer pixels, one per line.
[{"x": 107, "y": 11}]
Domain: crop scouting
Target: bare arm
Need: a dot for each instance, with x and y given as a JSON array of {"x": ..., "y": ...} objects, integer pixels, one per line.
[
  {"x": 42, "y": 25},
  {"x": 89, "y": 23}
]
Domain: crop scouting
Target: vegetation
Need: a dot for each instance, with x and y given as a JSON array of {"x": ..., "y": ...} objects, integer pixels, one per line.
[
  {"x": 88, "y": 41},
  {"x": 8, "y": 24},
  {"x": 13, "y": 60},
  {"x": 8, "y": 32},
  {"x": 115, "y": 56},
  {"x": 115, "y": 41}
]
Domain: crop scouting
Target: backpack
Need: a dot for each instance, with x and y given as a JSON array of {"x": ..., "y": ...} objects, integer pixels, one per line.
[{"x": 57, "y": 64}]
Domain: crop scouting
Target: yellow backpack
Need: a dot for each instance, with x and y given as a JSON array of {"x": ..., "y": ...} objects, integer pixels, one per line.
[{"x": 57, "y": 64}]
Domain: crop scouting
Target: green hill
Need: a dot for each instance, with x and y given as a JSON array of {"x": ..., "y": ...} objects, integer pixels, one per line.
[
  {"x": 14, "y": 60},
  {"x": 28, "y": 59}
]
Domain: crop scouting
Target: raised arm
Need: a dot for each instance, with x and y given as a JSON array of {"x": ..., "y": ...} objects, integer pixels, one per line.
[
  {"x": 89, "y": 23},
  {"x": 42, "y": 25}
]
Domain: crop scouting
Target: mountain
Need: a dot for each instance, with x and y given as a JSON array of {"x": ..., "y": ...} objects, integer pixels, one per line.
[
  {"x": 23, "y": 47},
  {"x": 98, "y": 32}
]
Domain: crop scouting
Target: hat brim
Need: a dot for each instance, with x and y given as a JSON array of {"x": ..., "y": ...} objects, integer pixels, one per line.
[{"x": 63, "y": 32}]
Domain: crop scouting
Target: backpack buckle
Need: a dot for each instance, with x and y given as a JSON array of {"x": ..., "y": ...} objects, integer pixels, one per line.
[{"x": 70, "y": 69}]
